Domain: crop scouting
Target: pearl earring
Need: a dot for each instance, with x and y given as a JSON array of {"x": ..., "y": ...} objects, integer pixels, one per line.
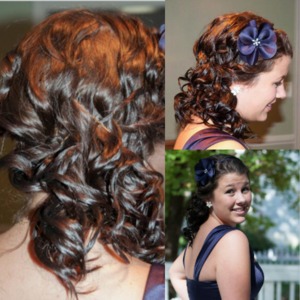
[
  {"x": 208, "y": 204},
  {"x": 235, "y": 90}
]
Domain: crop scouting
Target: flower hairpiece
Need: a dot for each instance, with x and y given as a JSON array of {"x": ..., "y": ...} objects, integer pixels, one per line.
[
  {"x": 162, "y": 41},
  {"x": 204, "y": 171},
  {"x": 253, "y": 41}
]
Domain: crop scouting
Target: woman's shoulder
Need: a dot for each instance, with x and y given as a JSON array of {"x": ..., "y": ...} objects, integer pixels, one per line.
[
  {"x": 205, "y": 138},
  {"x": 234, "y": 243},
  {"x": 227, "y": 144}
]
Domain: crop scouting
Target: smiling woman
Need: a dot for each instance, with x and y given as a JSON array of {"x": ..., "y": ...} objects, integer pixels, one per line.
[
  {"x": 218, "y": 253},
  {"x": 241, "y": 61}
]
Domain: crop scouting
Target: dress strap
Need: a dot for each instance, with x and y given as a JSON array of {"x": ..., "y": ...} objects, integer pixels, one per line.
[
  {"x": 206, "y": 138},
  {"x": 155, "y": 286},
  {"x": 210, "y": 242}
]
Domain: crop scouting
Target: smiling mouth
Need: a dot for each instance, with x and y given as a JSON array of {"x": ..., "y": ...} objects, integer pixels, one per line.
[
  {"x": 270, "y": 104},
  {"x": 240, "y": 210}
]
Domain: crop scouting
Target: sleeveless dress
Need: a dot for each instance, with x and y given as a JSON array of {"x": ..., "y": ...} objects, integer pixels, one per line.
[
  {"x": 205, "y": 138},
  {"x": 208, "y": 290},
  {"x": 155, "y": 286}
]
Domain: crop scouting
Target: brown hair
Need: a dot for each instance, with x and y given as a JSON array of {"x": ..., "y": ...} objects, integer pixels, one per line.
[
  {"x": 205, "y": 91},
  {"x": 198, "y": 211},
  {"x": 83, "y": 97}
]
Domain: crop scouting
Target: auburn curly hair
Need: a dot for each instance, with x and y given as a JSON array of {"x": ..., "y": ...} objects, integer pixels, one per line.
[
  {"x": 82, "y": 95},
  {"x": 205, "y": 89}
]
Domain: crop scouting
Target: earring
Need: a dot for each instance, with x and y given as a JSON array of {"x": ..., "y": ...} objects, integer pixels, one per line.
[
  {"x": 235, "y": 90},
  {"x": 208, "y": 204}
]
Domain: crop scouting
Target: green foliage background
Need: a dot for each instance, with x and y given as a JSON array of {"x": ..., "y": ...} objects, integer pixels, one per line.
[{"x": 269, "y": 169}]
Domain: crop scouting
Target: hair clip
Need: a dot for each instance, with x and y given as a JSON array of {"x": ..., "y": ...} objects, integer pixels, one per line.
[
  {"x": 162, "y": 41},
  {"x": 204, "y": 171},
  {"x": 253, "y": 41},
  {"x": 235, "y": 90}
]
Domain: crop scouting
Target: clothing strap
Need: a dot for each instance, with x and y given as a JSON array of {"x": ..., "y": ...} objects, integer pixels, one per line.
[
  {"x": 206, "y": 138},
  {"x": 155, "y": 283},
  {"x": 210, "y": 242}
]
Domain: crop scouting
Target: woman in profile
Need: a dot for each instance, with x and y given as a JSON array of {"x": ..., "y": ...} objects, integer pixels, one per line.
[
  {"x": 241, "y": 63},
  {"x": 82, "y": 97},
  {"x": 218, "y": 262}
]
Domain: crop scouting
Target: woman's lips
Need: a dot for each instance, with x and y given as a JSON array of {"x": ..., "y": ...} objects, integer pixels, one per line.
[
  {"x": 240, "y": 211},
  {"x": 269, "y": 106}
]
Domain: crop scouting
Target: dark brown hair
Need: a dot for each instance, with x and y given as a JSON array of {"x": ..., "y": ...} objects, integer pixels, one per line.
[
  {"x": 83, "y": 97},
  {"x": 198, "y": 211},
  {"x": 205, "y": 89}
]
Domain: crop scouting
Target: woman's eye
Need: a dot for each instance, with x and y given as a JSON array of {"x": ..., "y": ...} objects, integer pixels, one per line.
[
  {"x": 279, "y": 83},
  {"x": 246, "y": 189},
  {"x": 230, "y": 191}
]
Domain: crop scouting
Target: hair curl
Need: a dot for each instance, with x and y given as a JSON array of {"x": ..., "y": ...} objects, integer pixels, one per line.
[
  {"x": 205, "y": 91},
  {"x": 198, "y": 211},
  {"x": 83, "y": 97}
]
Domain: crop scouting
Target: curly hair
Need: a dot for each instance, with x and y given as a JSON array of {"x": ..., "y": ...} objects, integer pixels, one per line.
[
  {"x": 83, "y": 97},
  {"x": 205, "y": 89},
  {"x": 198, "y": 211}
]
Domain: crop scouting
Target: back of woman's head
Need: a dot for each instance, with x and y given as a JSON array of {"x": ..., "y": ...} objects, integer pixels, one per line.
[
  {"x": 219, "y": 63},
  {"x": 208, "y": 171},
  {"x": 82, "y": 95}
]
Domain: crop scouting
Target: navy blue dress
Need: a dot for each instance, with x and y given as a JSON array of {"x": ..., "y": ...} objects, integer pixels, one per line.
[
  {"x": 208, "y": 290},
  {"x": 205, "y": 138},
  {"x": 155, "y": 286}
]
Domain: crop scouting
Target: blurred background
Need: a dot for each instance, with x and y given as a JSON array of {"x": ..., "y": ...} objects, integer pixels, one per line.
[
  {"x": 16, "y": 19},
  {"x": 272, "y": 224}
]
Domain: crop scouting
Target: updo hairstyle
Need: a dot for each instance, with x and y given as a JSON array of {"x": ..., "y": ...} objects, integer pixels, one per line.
[
  {"x": 205, "y": 89},
  {"x": 198, "y": 211},
  {"x": 82, "y": 96}
]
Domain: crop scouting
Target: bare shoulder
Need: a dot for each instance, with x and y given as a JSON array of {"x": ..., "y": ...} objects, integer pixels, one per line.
[
  {"x": 229, "y": 144},
  {"x": 234, "y": 245}
]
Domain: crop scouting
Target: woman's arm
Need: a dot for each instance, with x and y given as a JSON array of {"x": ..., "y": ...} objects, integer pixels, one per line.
[
  {"x": 233, "y": 272},
  {"x": 178, "y": 278}
]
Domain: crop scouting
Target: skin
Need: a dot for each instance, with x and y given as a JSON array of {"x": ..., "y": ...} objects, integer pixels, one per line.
[
  {"x": 268, "y": 87},
  {"x": 127, "y": 282},
  {"x": 230, "y": 203},
  {"x": 254, "y": 101},
  {"x": 130, "y": 279}
]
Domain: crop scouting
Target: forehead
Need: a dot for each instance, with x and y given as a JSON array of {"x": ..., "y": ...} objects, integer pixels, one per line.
[
  {"x": 279, "y": 70},
  {"x": 232, "y": 179}
]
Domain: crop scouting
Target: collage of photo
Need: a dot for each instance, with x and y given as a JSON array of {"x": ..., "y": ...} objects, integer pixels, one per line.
[{"x": 150, "y": 150}]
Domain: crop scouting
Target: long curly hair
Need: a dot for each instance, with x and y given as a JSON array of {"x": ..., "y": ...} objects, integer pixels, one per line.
[
  {"x": 205, "y": 89},
  {"x": 82, "y": 95},
  {"x": 198, "y": 211}
]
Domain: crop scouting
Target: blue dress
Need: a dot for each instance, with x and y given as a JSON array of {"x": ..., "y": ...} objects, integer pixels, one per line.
[
  {"x": 208, "y": 290},
  {"x": 155, "y": 286},
  {"x": 205, "y": 138}
]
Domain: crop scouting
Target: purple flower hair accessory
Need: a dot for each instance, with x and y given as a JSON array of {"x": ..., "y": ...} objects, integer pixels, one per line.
[
  {"x": 204, "y": 171},
  {"x": 254, "y": 41},
  {"x": 162, "y": 41}
]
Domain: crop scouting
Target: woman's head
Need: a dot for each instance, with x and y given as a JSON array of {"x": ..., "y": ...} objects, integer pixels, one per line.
[
  {"x": 214, "y": 175},
  {"x": 82, "y": 95},
  {"x": 221, "y": 65}
]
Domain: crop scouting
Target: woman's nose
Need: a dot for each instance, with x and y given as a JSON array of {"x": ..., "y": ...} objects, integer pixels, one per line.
[
  {"x": 241, "y": 198},
  {"x": 281, "y": 91}
]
